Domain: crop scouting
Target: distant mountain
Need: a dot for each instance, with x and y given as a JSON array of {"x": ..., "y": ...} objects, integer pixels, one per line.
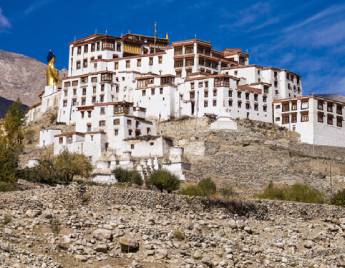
[
  {"x": 4, "y": 104},
  {"x": 20, "y": 77}
]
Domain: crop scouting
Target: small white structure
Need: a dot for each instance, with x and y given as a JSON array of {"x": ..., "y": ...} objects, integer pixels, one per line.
[
  {"x": 318, "y": 119},
  {"x": 50, "y": 99},
  {"x": 47, "y": 137}
]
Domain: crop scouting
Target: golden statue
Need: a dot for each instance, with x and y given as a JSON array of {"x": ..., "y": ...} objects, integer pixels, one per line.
[{"x": 53, "y": 78}]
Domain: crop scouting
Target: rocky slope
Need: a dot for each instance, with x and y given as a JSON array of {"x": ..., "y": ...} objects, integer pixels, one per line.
[
  {"x": 21, "y": 77},
  {"x": 255, "y": 154},
  {"x": 111, "y": 227}
]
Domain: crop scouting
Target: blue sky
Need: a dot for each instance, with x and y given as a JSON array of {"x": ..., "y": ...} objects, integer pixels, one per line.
[{"x": 307, "y": 37}]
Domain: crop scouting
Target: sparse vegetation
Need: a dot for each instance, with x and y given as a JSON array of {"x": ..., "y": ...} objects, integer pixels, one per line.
[
  {"x": 179, "y": 235},
  {"x": 338, "y": 198},
  {"x": 163, "y": 180},
  {"x": 297, "y": 192},
  {"x": 7, "y": 219},
  {"x": 205, "y": 187},
  {"x": 55, "y": 225},
  {"x": 226, "y": 191},
  {"x": 128, "y": 176}
]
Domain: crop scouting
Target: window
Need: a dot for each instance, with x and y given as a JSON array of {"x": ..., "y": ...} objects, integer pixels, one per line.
[
  {"x": 138, "y": 62},
  {"x": 206, "y": 94},
  {"x": 277, "y": 119},
  {"x": 206, "y": 84},
  {"x": 79, "y": 50},
  {"x": 82, "y": 114},
  {"x": 69, "y": 139},
  {"x": 116, "y": 132},
  {"x": 205, "y": 103},
  {"x": 160, "y": 59},
  {"x": 151, "y": 61},
  {"x": 93, "y": 99},
  {"x": 101, "y": 123},
  {"x": 276, "y": 84},
  {"x": 339, "y": 109},
  {"x": 65, "y": 103},
  {"x": 214, "y": 92},
  {"x": 230, "y": 93},
  {"x": 192, "y": 94},
  {"x": 304, "y": 117},
  {"x": 84, "y": 91},
  {"x": 78, "y": 64},
  {"x": 247, "y": 96},
  {"x": 264, "y": 108},
  {"x": 74, "y": 102},
  {"x": 116, "y": 65},
  {"x": 294, "y": 118},
  {"x": 116, "y": 121},
  {"x": 89, "y": 114},
  {"x": 86, "y": 48},
  {"x": 89, "y": 127},
  {"x": 294, "y": 105},
  {"x": 239, "y": 94},
  {"x": 247, "y": 106},
  {"x": 60, "y": 140},
  {"x": 148, "y": 130},
  {"x": 330, "y": 119},
  {"x": 161, "y": 91},
  {"x": 132, "y": 145},
  {"x": 320, "y": 117},
  {"x": 192, "y": 85},
  {"x": 214, "y": 103},
  {"x": 304, "y": 105},
  {"x": 200, "y": 84},
  {"x": 255, "y": 97},
  {"x": 129, "y": 122},
  {"x": 92, "y": 47},
  {"x": 339, "y": 121},
  {"x": 102, "y": 111},
  {"x": 239, "y": 104},
  {"x": 264, "y": 99},
  {"x": 256, "y": 107},
  {"x": 85, "y": 63},
  {"x": 152, "y": 91},
  {"x": 329, "y": 107},
  {"x": 143, "y": 92},
  {"x": 94, "y": 79},
  {"x": 285, "y": 119},
  {"x": 128, "y": 63},
  {"x": 83, "y": 101},
  {"x": 74, "y": 91},
  {"x": 101, "y": 98},
  {"x": 130, "y": 132},
  {"x": 286, "y": 107}
]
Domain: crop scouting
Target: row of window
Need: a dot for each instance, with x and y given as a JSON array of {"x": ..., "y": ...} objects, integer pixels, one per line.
[
  {"x": 330, "y": 106},
  {"x": 97, "y": 47},
  {"x": 138, "y": 62},
  {"x": 239, "y": 105}
]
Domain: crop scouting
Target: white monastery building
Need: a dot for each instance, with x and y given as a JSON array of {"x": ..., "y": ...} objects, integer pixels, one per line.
[{"x": 118, "y": 88}]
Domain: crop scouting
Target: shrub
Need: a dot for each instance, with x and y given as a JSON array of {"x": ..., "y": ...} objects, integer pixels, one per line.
[
  {"x": 179, "y": 235},
  {"x": 297, "y": 192},
  {"x": 128, "y": 176},
  {"x": 207, "y": 186},
  {"x": 338, "y": 198},
  {"x": 55, "y": 225},
  {"x": 60, "y": 169},
  {"x": 191, "y": 190},
  {"x": 164, "y": 180},
  {"x": 227, "y": 191},
  {"x": 7, "y": 219}
]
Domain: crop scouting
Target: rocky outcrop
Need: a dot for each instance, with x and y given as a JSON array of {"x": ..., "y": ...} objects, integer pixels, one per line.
[
  {"x": 117, "y": 227},
  {"x": 21, "y": 77}
]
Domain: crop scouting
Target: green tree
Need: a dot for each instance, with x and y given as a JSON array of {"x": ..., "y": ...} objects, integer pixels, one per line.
[
  {"x": 13, "y": 122},
  {"x": 208, "y": 187},
  {"x": 8, "y": 165},
  {"x": 164, "y": 180},
  {"x": 128, "y": 176}
]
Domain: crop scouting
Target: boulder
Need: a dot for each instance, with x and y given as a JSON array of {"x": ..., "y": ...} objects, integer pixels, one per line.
[
  {"x": 129, "y": 244},
  {"x": 102, "y": 234}
]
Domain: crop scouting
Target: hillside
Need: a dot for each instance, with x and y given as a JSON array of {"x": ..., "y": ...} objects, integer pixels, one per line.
[
  {"x": 110, "y": 227},
  {"x": 21, "y": 77}
]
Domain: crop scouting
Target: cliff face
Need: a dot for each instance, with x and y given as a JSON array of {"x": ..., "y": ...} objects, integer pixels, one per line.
[{"x": 21, "y": 77}]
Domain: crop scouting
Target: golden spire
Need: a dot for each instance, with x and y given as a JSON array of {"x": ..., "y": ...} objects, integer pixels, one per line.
[
  {"x": 167, "y": 36},
  {"x": 53, "y": 78}
]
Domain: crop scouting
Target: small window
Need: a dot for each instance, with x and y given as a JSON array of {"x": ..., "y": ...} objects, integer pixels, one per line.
[
  {"x": 132, "y": 146},
  {"x": 152, "y": 143},
  {"x": 205, "y": 103},
  {"x": 330, "y": 119},
  {"x": 214, "y": 103},
  {"x": 138, "y": 62},
  {"x": 320, "y": 117},
  {"x": 102, "y": 110},
  {"x": 116, "y": 121},
  {"x": 339, "y": 121},
  {"x": 60, "y": 140},
  {"x": 161, "y": 91},
  {"x": 116, "y": 132},
  {"x": 304, "y": 117},
  {"x": 151, "y": 61},
  {"x": 128, "y": 63},
  {"x": 101, "y": 123},
  {"x": 160, "y": 59}
]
